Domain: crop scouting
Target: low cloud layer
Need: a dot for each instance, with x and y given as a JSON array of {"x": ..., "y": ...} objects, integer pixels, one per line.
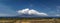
[{"x": 31, "y": 12}]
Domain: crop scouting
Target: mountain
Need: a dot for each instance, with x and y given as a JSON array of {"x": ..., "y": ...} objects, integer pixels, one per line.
[{"x": 31, "y": 16}]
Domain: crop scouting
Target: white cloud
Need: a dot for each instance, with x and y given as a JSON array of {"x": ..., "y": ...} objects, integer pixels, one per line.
[
  {"x": 31, "y": 12},
  {"x": 24, "y": 11}
]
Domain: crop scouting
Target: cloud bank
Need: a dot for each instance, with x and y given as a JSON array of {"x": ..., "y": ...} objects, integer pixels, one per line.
[{"x": 31, "y": 12}]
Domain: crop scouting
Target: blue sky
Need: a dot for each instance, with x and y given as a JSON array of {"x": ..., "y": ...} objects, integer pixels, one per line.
[{"x": 9, "y": 7}]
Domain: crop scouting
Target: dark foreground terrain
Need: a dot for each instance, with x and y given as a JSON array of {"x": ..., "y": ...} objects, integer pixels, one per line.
[{"x": 29, "y": 20}]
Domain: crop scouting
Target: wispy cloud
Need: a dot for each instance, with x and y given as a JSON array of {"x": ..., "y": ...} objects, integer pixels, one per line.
[
  {"x": 58, "y": 10},
  {"x": 31, "y": 12},
  {"x": 6, "y": 11}
]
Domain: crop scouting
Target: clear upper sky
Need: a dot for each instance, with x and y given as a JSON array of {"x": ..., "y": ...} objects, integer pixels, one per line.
[{"x": 9, "y": 7}]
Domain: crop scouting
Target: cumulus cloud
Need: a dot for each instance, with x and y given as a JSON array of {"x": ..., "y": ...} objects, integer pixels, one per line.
[{"x": 31, "y": 12}]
